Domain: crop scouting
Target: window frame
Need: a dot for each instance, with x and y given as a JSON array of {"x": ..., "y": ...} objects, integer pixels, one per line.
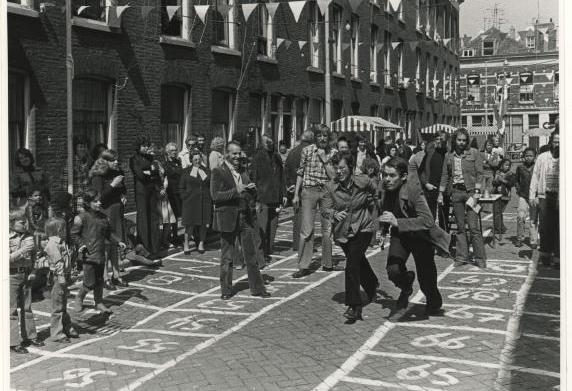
[
  {"x": 314, "y": 36},
  {"x": 354, "y": 45},
  {"x": 373, "y": 55}
]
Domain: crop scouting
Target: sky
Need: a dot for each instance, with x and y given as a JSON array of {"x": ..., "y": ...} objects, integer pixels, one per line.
[{"x": 516, "y": 12}]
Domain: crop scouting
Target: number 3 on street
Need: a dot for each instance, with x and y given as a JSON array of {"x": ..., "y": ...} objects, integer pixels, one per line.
[
  {"x": 476, "y": 295},
  {"x": 151, "y": 345},
  {"x": 85, "y": 375},
  {"x": 440, "y": 340},
  {"x": 439, "y": 377}
]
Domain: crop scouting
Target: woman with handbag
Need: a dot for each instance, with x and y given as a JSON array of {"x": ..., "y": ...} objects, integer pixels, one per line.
[{"x": 350, "y": 202}]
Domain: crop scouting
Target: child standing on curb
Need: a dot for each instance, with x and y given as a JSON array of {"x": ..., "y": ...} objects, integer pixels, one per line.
[
  {"x": 60, "y": 260},
  {"x": 90, "y": 231}
]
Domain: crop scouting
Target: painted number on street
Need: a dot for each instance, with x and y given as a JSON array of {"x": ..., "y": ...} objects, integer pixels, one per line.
[
  {"x": 464, "y": 312},
  {"x": 164, "y": 280},
  {"x": 475, "y": 295},
  {"x": 190, "y": 323},
  {"x": 151, "y": 345},
  {"x": 485, "y": 282},
  {"x": 218, "y": 304},
  {"x": 440, "y": 340},
  {"x": 439, "y": 377},
  {"x": 85, "y": 376}
]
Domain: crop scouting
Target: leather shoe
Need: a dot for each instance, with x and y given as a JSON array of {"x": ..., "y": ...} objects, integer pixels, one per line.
[
  {"x": 19, "y": 349},
  {"x": 225, "y": 296},
  {"x": 262, "y": 294},
  {"x": 353, "y": 313},
  {"x": 301, "y": 273},
  {"x": 333, "y": 269},
  {"x": 33, "y": 342},
  {"x": 103, "y": 308}
]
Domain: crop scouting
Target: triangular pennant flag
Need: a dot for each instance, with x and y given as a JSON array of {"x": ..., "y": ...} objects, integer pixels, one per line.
[
  {"x": 446, "y": 41},
  {"x": 279, "y": 41},
  {"x": 172, "y": 10},
  {"x": 395, "y": 44},
  {"x": 301, "y": 44},
  {"x": 247, "y": 10},
  {"x": 406, "y": 80},
  {"x": 509, "y": 80},
  {"x": 201, "y": 11},
  {"x": 82, "y": 8},
  {"x": 288, "y": 43},
  {"x": 145, "y": 10},
  {"x": 323, "y": 5},
  {"x": 360, "y": 43},
  {"x": 395, "y": 4},
  {"x": 120, "y": 9},
  {"x": 413, "y": 45},
  {"x": 546, "y": 99},
  {"x": 354, "y": 5},
  {"x": 550, "y": 75},
  {"x": 272, "y": 7},
  {"x": 223, "y": 9},
  {"x": 345, "y": 46},
  {"x": 523, "y": 79},
  {"x": 435, "y": 82},
  {"x": 378, "y": 47},
  {"x": 296, "y": 7}
]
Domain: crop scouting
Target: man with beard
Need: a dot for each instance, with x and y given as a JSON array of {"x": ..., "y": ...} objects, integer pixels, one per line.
[
  {"x": 413, "y": 231},
  {"x": 291, "y": 175},
  {"x": 267, "y": 174},
  {"x": 461, "y": 178},
  {"x": 314, "y": 172},
  {"x": 544, "y": 194}
]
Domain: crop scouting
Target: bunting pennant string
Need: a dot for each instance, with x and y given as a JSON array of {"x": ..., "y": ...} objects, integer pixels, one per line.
[
  {"x": 301, "y": 44},
  {"x": 395, "y": 4},
  {"x": 509, "y": 80},
  {"x": 395, "y": 44},
  {"x": 296, "y": 7},
  {"x": 201, "y": 11},
  {"x": 436, "y": 82},
  {"x": 271, "y": 8},
  {"x": 247, "y": 10},
  {"x": 172, "y": 10},
  {"x": 446, "y": 41},
  {"x": 82, "y": 8},
  {"x": 550, "y": 76},
  {"x": 323, "y": 5}
]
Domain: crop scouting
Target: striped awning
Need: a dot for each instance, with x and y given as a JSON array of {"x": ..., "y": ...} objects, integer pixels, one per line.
[
  {"x": 483, "y": 130},
  {"x": 436, "y": 128},
  {"x": 360, "y": 123}
]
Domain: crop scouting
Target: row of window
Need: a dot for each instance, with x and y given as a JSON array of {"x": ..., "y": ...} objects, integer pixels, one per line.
[
  {"x": 482, "y": 120},
  {"x": 526, "y": 87}
]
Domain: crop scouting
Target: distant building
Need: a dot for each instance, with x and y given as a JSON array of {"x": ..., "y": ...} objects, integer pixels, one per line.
[{"x": 526, "y": 62}]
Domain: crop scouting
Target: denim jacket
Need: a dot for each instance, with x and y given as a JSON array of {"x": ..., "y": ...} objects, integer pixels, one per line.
[{"x": 472, "y": 165}]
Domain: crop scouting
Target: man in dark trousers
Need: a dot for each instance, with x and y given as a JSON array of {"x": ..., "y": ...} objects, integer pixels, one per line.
[
  {"x": 290, "y": 174},
  {"x": 173, "y": 170},
  {"x": 232, "y": 217},
  {"x": 413, "y": 231},
  {"x": 267, "y": 174}
]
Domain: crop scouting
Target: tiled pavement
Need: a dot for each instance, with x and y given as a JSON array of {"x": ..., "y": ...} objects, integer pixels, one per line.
[{"x": 170, "y": 331}]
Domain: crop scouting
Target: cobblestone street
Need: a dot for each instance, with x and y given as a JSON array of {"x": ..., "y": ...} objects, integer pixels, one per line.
[{"x": 171, "y": 331}]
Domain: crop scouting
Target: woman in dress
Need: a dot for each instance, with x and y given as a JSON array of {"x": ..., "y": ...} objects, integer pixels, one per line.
[
  {"x": 350, "y": 201},
  {"x": 196, "y": 200}
]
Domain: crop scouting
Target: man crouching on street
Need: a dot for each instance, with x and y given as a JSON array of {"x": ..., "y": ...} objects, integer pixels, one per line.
[{"x": 413, "y": 231}]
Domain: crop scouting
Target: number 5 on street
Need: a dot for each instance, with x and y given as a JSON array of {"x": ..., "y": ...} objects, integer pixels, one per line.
[{"x": 439, "y": 377}]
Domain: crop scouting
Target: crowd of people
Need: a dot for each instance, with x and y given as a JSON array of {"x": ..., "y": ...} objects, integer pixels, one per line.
[{"x": 394, "y": 195}]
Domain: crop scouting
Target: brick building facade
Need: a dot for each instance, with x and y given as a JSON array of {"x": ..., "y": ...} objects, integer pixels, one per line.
[
  {"x": 156, "y": 68},
  {"x": 526, "y": 60}
]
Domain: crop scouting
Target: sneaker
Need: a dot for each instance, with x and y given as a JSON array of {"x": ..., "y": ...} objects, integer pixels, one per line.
[{"x": 481, "y": 263}]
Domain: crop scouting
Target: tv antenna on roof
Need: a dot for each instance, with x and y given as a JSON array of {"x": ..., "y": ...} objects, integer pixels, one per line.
[{"x": 495, "y": 17}]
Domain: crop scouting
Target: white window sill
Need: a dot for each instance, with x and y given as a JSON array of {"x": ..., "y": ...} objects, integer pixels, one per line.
[
  {"x": 22, "y": 10},
  {"x": 225, "y": 50},
  {"x": 338, "y": 75},
  {"x": 176, "y": 41},
  {"x": 94, "y": 25},
  {"x": 374, "y": 84},
  {"x": 356, "y": 79},
  {"x": 266, "y": 59},
  {"x": 314, "y": 70}
]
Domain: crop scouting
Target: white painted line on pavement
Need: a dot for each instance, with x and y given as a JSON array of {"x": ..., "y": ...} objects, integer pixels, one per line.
[
  {"x": 203, "y": 294},
  {"x": 107, "y": 360},
  {"x": 379, "y": 383},
  {"x": 63, "y": 350},
  {"x": 541, "y": 294},
  {"x": 491, "y": 274},
  {"x": 494, "y": 261},
  {"x": 477, "y": 307},
  {"x": 212, "y": 312},
  {"x": 547, "y": 278},
  {"x": 194, "y": 261},
  {"x": 174, "y": 273},
  {"x": 473, "y": 288},
  {"x": 158, "y": 288},
  {"x": 250, "y": 297},
  {"x": 538, "y": 336},
  {"x": 167, "y": 332},
  {"x": 407, "y": 356},
  {"x": 355, "y": 359},
  {"x": 506, "y": 357},
  {"x": 231, "y": 330},
  {"x": 445, "y": 327}
]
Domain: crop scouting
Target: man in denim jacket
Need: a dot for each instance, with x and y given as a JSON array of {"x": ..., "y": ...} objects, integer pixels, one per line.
[{"x": 461, "y": 178}]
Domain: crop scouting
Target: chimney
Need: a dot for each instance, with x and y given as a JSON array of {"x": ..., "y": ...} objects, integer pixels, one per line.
[{"x": 512, "y": 32}]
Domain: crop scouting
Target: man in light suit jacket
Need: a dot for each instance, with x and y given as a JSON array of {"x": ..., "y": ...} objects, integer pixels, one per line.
[{"x": 231, "y": 192}]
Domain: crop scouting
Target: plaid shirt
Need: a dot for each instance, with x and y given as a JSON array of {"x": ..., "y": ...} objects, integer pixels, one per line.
[{"x": 312, "y": 169}]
